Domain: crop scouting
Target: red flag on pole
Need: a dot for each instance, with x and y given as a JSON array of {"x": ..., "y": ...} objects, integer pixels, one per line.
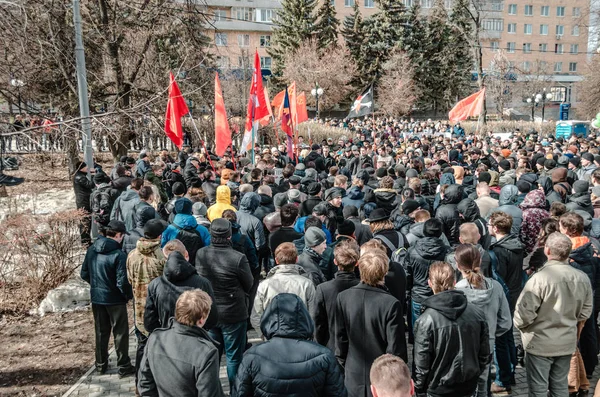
[
  {"x": 468, "y": 107},
  {"x": 222, "y": 131},
  {"x": 301, "y": 108},
  {"x": 176, "y": 109},
  {"x": 286, "y": 122},
  {"x": 260, "y": 104}
]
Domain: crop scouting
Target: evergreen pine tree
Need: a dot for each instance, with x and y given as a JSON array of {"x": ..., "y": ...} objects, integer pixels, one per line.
[
  {"x": 295, "y": 24},
  {"x": 352, "y": 30},
  {"x": 413, "y": 42},
  {"x": 461, "y": 54},
  {"x": 327, "y": 26}
]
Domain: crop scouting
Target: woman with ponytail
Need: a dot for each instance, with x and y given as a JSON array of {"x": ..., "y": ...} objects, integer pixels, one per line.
[{"x": 485, "y": 293}]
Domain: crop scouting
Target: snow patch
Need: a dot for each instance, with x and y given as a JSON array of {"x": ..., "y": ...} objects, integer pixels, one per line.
[
  {"x": 72, "y": 295},
  {"x": 44, "y": 203}
]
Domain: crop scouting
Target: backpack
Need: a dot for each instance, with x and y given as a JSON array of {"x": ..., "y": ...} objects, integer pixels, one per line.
[
  {"x": 192, "y": 241},
  {"x": 101, "y": 205},
  {"x": 398, "y": 254}
]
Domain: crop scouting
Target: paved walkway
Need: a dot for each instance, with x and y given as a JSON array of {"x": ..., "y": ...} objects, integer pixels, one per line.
[{"x": 92, "y": 384}]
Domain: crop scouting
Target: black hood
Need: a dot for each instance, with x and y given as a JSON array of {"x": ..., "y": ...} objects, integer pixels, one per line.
[
  {"x": 387, "y": 196},
  {"x": 547, "y": 184},
  {"x": 287, "y": 317},
  {"x": 508, "y": 195},
  {"x": 104, "y": 245},
  {"x": 177, "y": 268},
  {"x": 265, "y": 200},
  {"x": 510, "y": 242},
  {"x": 581, "y": 199},
  {"x": 453, "y": 194},
  {"x": 583, "y": 255},
  {"x": 144, "y": 214},
  {"x": 354, "y": 193},
  {"x": 417, "y": 229},
  {"x": 469, "y": 210},
  {"x": 451, "y": 304},
  {"x": 430, "y": 248}
]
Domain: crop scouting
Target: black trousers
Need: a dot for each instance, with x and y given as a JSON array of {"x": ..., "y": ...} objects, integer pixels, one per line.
[
  {"x": 588, "y": 344},
  {"x": 106, "y": 319},
  {"x": 139, "y": 354}
]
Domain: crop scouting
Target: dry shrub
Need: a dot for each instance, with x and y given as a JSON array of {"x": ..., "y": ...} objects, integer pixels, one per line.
[
  {"x": 492, "y": 127},
  {"x": 39, "y": 254},
  {"x": 318, "y": 132}
]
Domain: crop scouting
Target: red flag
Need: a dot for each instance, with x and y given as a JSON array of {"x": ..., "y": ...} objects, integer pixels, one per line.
[
  {"x": 301, "y": 108},
  {"x": 176, "y": 109},
  {"x": 222, "y": 131},
  {"x": 286, "y": 122},
  {"x": 277, "y": 102},
  {"x": 468, "y": 107},
  {"x": 267, "y": 119},
  {"x": 293, "y": 100},
  {"x": 260, "y": 104}
]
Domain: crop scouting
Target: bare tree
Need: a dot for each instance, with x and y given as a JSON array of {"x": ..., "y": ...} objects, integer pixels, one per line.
[
  {"x": 589, "y": 90},
  {"x": 397, "y": 90},
  {"x": 500, "y": 82}
]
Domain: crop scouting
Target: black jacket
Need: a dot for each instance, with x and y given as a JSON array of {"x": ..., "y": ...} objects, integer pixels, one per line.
[
  {"x": 178, "y": 276},
  {"x": 452, "y": 346},
  {"x": 583, "y": 258},
  {"x": 384, "y": 198},
  {"x": 362, "y": 233},
  {"x": 285, "y": 234},
  {"x": 470, "y": 213},
  {"x": 395, "y": 282},
  {"x": 180, "y": 361},
  {"x": 210, "y": 188},
  {"x": 229, "y": 273},
  {"x": 105, "y": 269},
  {"x": 317, "y": 159},
  {"x": 368, "y": 324},
  {"x": 311, "y": 262},
  {"x": 122, "y": 183},
  {"x": 582, "y": 202},
  {"x": 510, "y": 252},
  {"x": 266, "y": 207},
  {"x": 551, "y": 195},
  {"x": 288, "y": 363},
  {"x": 190, "y": 175},
  {"x": 334, "y": 217},
  {"x": 418, "y": 259},
  {"x": 324, "y": 307},
  {"x": 83, "y": 190},
  {"x": 448, "y": 213},
  {"x": 397, "y": 239},
  {"x": 307, "y": 206}
]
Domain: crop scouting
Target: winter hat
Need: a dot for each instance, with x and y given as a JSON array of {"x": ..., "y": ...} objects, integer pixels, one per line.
[
  {"x": 573, "y": 149},
  {"x": 540, "y": 161},
  {"x": 315, "y": 146},
  {"x": 332, "y": 193},
  {"x": 412, "y": 173},
  {"x": 311, "y": 173},
  {"x": 588, "y": 156},
  {"x": 280, "y": 200},
  {"x": 117, "y": 226},
  {"x": 409, "y": 206},
  {"x": 220, "y": 228},
  {"x": 144, "y": 214},
  {"x": 432, "y": 228},
  {"x": 154, "y": 228},
  {"x": 314, "y": 236},
  {"x": 130, "y": 161},
  {"x": 314, "y": 188},
  {"x": 563, "y": 161},
  {"x": 350, "y": 210},
  {"x": 300, "y": 167},
  {"x": 320, "y": 209},
  {"x": 597, "y": 159},
  {"x": 485, "y": 177},
  {"x": 377, "y": 215},
  {"x": 123, "y": 159},
  {"x": 506, "y": 153},
  {"x": 381, "y": 172},
  {"x": 101, "y": 177},
  {"x": 549, "y": 164},
  {"x": 581, "y": 186},
  {"x": 575, "y": 161},
  {"x": 178, "y": 189},
  {"x": 523, "y": 186},
  {"x": 199, "y": 208},
  {"x": 293, "y": 196},
  {"x": 346, "y": 228},
  {"x": 183, "y": 206},
  {"x": 294, "y": 179},
  {"x": 504, "y": 164}
]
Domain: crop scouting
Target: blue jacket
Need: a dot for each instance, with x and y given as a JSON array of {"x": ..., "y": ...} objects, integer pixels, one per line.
[
  {"x": 105, "y": 269},
  {"x": 299, "y": 227},
  {"x": 184, "y": 221}
]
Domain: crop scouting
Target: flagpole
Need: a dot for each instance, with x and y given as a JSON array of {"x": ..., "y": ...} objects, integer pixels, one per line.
[{"x": 202, "y": 141}]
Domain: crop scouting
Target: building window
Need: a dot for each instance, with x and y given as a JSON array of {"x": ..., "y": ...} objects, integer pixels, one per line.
[
  {"x": 349, "y": 3},
  {"x": 266, "y": 15},
  {"x": 575, "y": 49},
  {"x": 244, "y": 40},
  {"x": 526, "y": 66},
  {"x": 543, "y": 47},
  {"x": 221, "y": 39},
  {"x": 544, "y": 30},
  {"x": 512, "y": 9},
  {"x": 265, "y": 63},
  {"x": 576, "y": 11},
  {"x": 559, "y": 49},
  {"x": 265, "y": 41},
  {"x": 409, "y": 3},
  {"x": 426, "y": 3},
  {"x": 545, "y": 11},
  {"x": 222, "y": 62},
  {"x": 542, "y": 66},
  {"x": 527, "y": 48},
  {"x": 575, "y": 30},
  {"x": 243, "y": 13},
  {"x": 512, "y": 28},
  {"x": 494, "y": 45},
  {"x": 560, "y": 30},
  {"x": 558, "y": 67},
  {"x": 529, "y": 10},
  {"x": 560, "y": 11},
  {"x": 496, "y": 25},
  {"x": 220, "y": 15},
  {"x": 510, "y": 46},
  {"x": 369, "y": 3},
  {"x": 572, "y": 66},
  {"x": 497, "y": 6},
  {"x": 528, "y": 28}
]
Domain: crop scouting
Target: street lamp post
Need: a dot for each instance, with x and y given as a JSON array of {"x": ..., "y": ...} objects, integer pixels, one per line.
[
  {"x": 532, "y": 100},
  {"x": 18, "y": 83},
  {"x": 536, "y": 99},
  {"x": 317, "y": 92}
]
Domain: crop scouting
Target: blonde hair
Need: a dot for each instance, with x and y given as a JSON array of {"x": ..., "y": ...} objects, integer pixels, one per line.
[
  {"x": 468, "y": 260},
  {"x": 441, "y": 277},
  {"x": 390, "y": 375},
  {"x": 381, "y": 225},
  {"x": 192, "y": 306},
  {"x": 373, "y": 245},
  {"x": 373, "y": 267},
  {"x": 469, "y": 233}
]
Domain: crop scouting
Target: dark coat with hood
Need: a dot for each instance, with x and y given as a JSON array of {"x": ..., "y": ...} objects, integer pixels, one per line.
[
  {"x": 125, "y": 207},
  {"x": 210, "y": 188},
  {"x": 307, "y": 206},
  {"x": 190, "y": 174},
  {"x": 180, "y": 361},
  {"x": 354, "y": 196},
  {"x": 507, "y": 204},
  {"x": 265, "y": 208},
  {"x": 551, "y": 195},
  {"x": 130, "y": 240},
  {"x": 469, "y": 211},
  {"x": 366, "y": 310},
  {"x": 582, "y": 202},
  {"x": 288, "y": 363},
  {"x": 510, "y": 253},
  {"x": 561, "y": 186},
  {"x": 250, "y": 225},
  {"x": 105, "y": 269},
  {"x": 178, "y": 276},
  {"x": 385, "y": 199},
  {"x": 448, "y": 213},
  {"x": 582, "y": 258},
  {"x": 415, "y": 232},
  {"x": 452, "y": 346},
  {"x": 418, "y": 259},
  {"x": 317, "y": 159},
  {"x": 229, "y": 273},
  {"x": 83, "y": 190},
  {"x": 311, "y": 261}
]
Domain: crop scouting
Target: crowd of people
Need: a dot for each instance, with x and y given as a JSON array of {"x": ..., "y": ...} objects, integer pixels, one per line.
[{"x": 400, "y": 236}]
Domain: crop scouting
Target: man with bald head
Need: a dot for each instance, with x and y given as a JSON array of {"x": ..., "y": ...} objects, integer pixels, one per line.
[{"x": 390, "y": 377}]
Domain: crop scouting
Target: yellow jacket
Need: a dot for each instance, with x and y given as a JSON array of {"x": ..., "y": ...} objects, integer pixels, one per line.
[{"x": 223, "y": 203}]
